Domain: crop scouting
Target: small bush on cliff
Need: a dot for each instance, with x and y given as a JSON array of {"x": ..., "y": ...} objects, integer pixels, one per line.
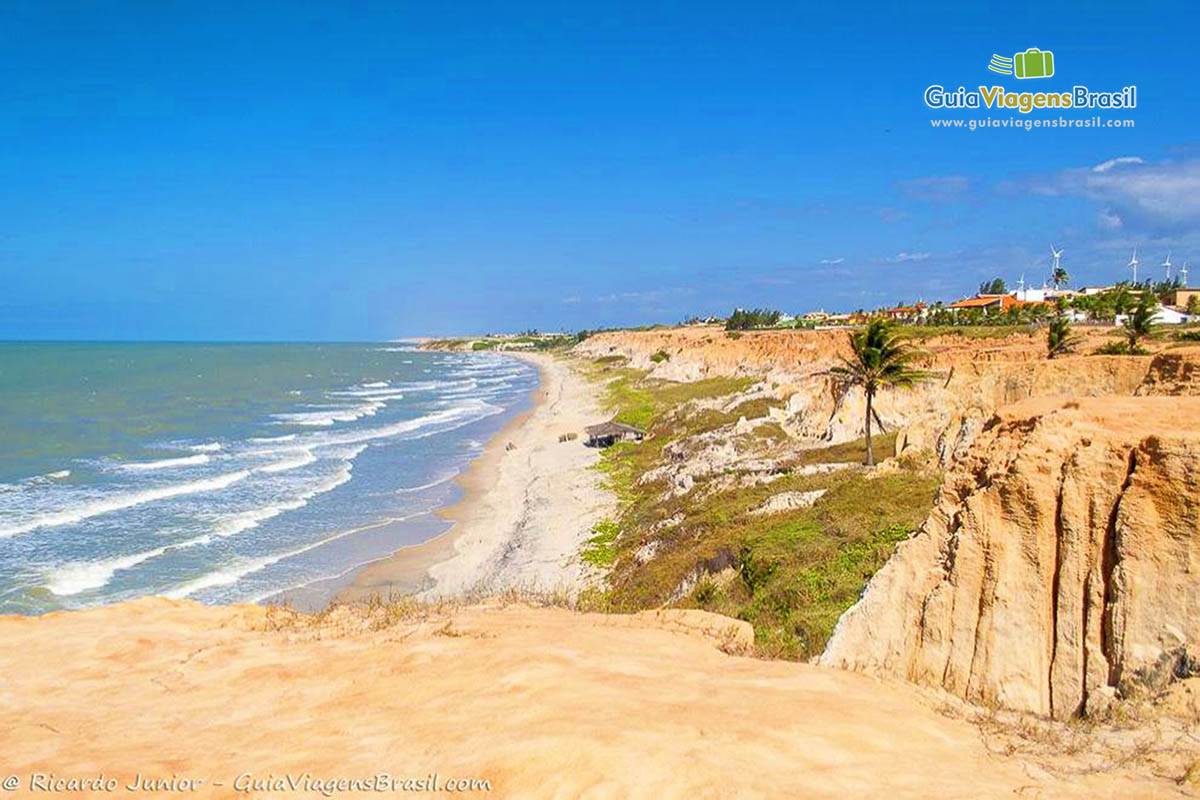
[
  {"x": 660, "y": 356},
  {"x": 1059, "y": 338},
  {"x": 1140, "y": 322},
  {"x": 1118, "y": 349}
]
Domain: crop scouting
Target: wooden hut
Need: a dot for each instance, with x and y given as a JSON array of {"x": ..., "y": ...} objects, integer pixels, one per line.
[{"x": 609, "y": 433}]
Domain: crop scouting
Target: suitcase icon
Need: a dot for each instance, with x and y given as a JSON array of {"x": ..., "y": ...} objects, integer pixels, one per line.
[{"x": 1033, "y": 63}]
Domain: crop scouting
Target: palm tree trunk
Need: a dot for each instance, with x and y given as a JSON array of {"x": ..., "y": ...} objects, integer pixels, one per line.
[{"x": 870, "y": 452}]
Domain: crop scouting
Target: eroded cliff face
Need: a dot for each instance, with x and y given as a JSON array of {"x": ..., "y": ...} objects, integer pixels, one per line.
[
  {"x": 973, "y": 378},
  {"x": 1059, "y": 565}
]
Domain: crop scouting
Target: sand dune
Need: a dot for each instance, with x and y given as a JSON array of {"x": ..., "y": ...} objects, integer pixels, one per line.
[{"x": 540, "y": 702}]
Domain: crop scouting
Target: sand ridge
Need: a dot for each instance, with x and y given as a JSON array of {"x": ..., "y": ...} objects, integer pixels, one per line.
[{"x": 540, "y": 702}]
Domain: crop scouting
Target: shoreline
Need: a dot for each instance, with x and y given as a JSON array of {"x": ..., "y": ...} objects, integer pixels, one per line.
[{"x": 506, "y": 529}]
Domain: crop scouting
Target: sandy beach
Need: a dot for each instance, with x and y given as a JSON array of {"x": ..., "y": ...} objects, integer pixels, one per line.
[{"x": 529, "y": 504}]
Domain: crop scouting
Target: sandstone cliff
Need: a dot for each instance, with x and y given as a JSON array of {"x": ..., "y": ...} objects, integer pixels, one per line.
[
  {"x": 974, "y": 378},
  {"x": 1058, "y": 567}
]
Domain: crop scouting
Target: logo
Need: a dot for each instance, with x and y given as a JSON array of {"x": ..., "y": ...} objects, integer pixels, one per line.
[{"x": 1033, "y": 63}]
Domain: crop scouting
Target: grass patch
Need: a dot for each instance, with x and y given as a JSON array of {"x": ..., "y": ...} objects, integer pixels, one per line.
[
  {"x": 795, "y": 572},
  {"x": 641, "y": 401},
  {"x": 756, "y": 408},
  {"x": 601, "y": 549}
]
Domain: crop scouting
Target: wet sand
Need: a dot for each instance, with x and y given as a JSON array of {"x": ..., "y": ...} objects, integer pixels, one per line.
[{"x": 529, "y": 502}]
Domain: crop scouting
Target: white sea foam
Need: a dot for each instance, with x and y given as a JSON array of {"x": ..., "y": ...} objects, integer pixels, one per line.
[
  {"x": 211, "y": 447},
  {"x": 239, "y": 569},
  {"x": 77, "y": 577},
  {"x": 62, "y": 473},
  {"x": 388, "y": 393},
  {"x": 104, "y": 505},
  {"x": 166, "y": 463},
  {"x": 375, "y": 385},
  {"x": 327, "y": 417},
  {"x": 461, "y": 414},
  {"x": 436, "y": 482},
  {"x": 272, "y": 439},
  {"x": 305, "y": 458}
]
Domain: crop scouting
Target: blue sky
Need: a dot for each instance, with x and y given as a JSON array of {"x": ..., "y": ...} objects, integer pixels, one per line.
[{"x": 371, "y": 170}]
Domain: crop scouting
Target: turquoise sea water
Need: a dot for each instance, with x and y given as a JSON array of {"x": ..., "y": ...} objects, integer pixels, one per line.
[{"x": 228, "y": 472}]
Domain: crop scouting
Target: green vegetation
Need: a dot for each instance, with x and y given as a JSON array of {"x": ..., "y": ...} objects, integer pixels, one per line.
[
  {"x": 660, "y": 356},
  {"x": 1059, "y": 338},
  {"x": 1118, "y": 349},
  {"x": 882, "y": 357},
  {"x": 601, "y": 549},
  {"x": 1188, "y": 336},
  {"x": 1139, "y": 324},
  {"x": 993, "y": 320},
  {"x": 639, "y": 401},
  {"x": 1193, "y": 305},
  {"x": 1059, "y": 277},
  {"x": 790, "y": 574},
  {"x": 744, "y": 320},
  {"x": 994, "y": 286}
]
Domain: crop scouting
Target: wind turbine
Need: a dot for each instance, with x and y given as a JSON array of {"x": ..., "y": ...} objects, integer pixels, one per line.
[
  {"x": 1057, "y": 269},
  {"x": 1057, "y": 254},
  {"x": 1183, "y": 274},
  {"x": 1133, "y": 262},
  {"x": 1167, "y": 265}
]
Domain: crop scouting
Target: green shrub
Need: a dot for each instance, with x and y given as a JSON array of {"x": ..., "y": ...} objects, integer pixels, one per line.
[
  {"x": 1119, "y": 349},
  {"x": 601, "y": 549},
  {"x": 660, "y": 356}
]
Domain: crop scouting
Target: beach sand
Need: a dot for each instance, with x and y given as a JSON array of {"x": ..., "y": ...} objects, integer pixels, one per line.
[{"x": 529, "y": 504}]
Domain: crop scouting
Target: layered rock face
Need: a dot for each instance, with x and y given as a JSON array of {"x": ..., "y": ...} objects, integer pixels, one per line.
[
  {"x": 973, "y": 378},
  {"x": 1061, "y": 562}
]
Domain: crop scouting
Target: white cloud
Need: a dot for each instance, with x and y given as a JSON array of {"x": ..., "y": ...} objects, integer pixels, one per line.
[
  {"x": 1141, "y": 195},
  {"x": 832, "y": 261},
  {"x": 906, "y": 256},
  {"x": 1105, "y": 166},
  {"x": 1109, "y": 219}
]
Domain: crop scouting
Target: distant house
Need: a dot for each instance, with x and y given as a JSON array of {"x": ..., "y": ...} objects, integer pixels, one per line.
[
  {"x": 1165, "y": 315},
  {"x": 999, "y": 302},
  {"x": 818, "y": 316},
  {"x": 1179, "y": 298},
  {"x": 994, "y": 302},
  {"x": 607, "y": 434},
  {"x": 905, "y": 313}
]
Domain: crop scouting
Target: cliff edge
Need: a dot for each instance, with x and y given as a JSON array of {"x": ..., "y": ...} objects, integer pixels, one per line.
[{"x": 1058, "y": 569}]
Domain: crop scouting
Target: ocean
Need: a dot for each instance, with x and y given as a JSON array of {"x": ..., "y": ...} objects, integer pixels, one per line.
[{"x": 229, "y": 472}]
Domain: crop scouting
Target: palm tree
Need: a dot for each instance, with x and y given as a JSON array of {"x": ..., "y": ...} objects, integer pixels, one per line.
[
  {"x": 1140, "y": 322},
  {"x": 1059, "y": 277},
  {"x": 1059, "y": 338},
  {"x": 881, "y": 358}
]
